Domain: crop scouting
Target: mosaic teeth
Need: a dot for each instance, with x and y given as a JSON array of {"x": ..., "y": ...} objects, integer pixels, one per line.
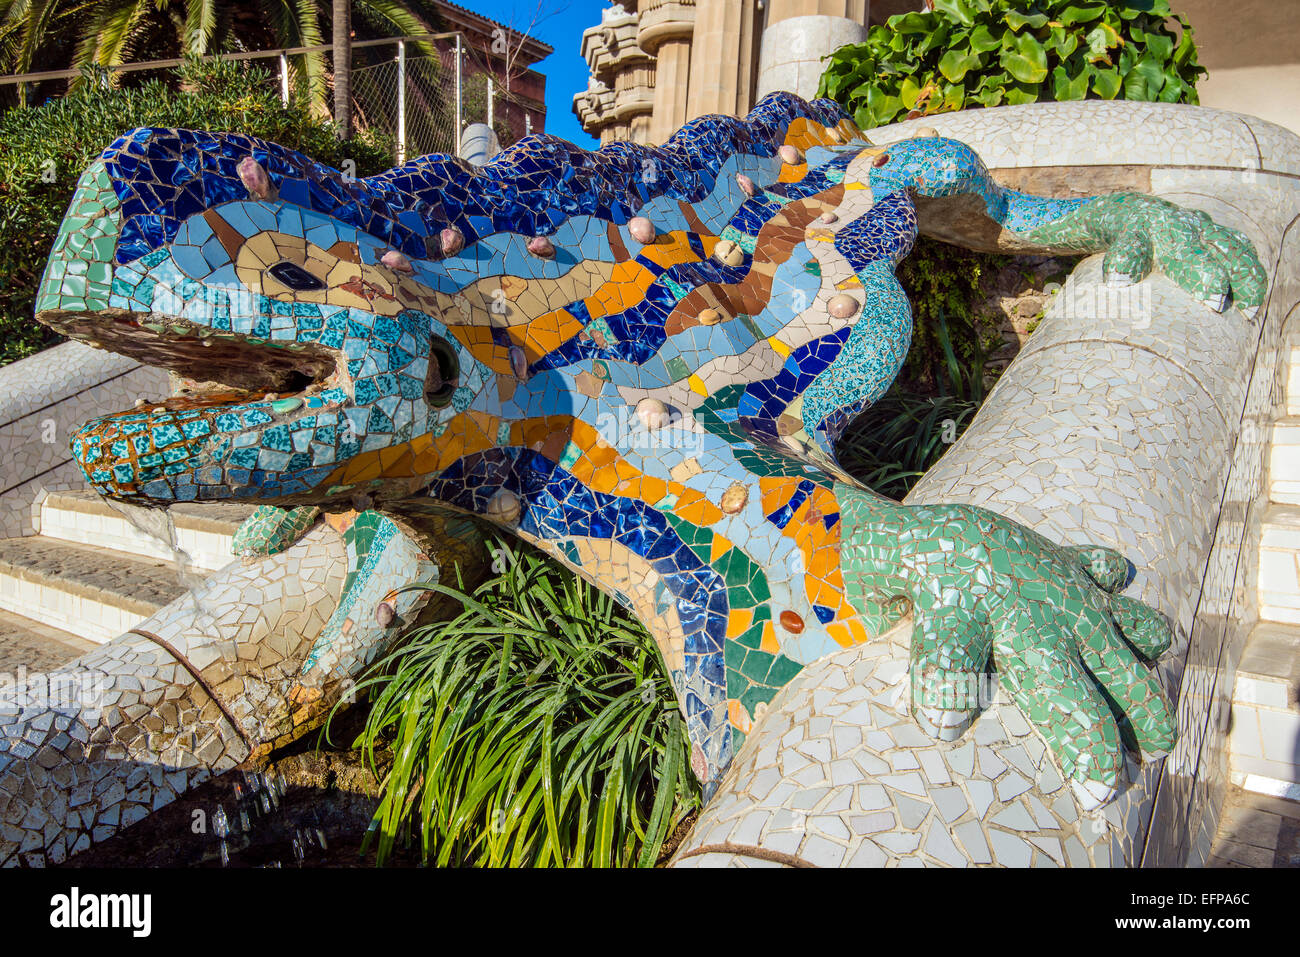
[
  {"x": 542, "y": 247},
  {"x": 395, "y": 259},
  {"x": 642, "y": 230},
  {"x": 253, "y": 175}
]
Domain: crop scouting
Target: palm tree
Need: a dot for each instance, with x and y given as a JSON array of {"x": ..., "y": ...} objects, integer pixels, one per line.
[
  {"x": 341, "y": 19},
  {"x": 112, "y": 32}
]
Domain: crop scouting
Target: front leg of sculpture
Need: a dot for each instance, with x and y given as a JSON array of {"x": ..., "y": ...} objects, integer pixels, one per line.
[
  {"x": 959, "y": 201},
  {"x": 988, "y": 594}
]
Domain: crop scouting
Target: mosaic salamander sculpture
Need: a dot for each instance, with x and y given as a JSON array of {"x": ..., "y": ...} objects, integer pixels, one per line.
[{"x": 639, "y": 360}]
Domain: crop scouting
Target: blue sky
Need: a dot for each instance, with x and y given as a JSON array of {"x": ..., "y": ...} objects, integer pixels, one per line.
[{"x": 565, "y": 69}]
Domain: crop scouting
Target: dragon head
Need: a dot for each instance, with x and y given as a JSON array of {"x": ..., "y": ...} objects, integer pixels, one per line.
[{"x": 299, "y": 307}]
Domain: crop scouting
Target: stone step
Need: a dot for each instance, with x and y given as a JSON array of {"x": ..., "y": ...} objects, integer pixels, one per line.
[
  {"x": 1284, "y": 462},
  {"x": 35, "y": 646},
  {"x": 1264, "y": 742},
  {"x": 203, "y": 530},
  {"x": 94, "y": 593},
  {"x": 1279, "y": 564}
]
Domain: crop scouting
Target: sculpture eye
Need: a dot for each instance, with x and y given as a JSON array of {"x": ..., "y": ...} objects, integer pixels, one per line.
[{"x": 295, "y": 277}]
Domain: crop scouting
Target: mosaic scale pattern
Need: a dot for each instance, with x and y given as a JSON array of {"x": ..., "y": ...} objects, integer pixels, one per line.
[{"x": 638, "y": 359}]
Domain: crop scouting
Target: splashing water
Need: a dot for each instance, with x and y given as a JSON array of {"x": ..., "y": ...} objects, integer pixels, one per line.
[{"x": 159, "y": 525}]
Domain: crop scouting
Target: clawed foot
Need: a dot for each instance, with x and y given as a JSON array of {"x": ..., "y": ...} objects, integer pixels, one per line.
[
  {"x": 1213, "y": 263},
  {"x": 1047, "y": 619},
  {"x": 270, "y": 530}
]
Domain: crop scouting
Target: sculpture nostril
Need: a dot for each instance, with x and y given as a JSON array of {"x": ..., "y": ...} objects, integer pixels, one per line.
[{"x": 440, "y": 379}]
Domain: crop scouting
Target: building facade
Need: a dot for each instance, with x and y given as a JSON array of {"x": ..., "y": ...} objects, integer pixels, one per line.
[
  {"x": 508, "y": 56},
  {"x": 657, "y": 63}
]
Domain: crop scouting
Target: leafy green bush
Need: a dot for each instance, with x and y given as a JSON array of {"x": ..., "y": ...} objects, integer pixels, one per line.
[
  {"x": 44, "y": 149},
  {"x": 944, "y": 285},
  {"x": 969, "y": 53},
  {"x": 894, "y": 442},
  {"x": 538, "y": 729}
]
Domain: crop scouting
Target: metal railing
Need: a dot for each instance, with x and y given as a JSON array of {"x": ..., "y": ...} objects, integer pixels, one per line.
[{"x": 410, "y": 98}]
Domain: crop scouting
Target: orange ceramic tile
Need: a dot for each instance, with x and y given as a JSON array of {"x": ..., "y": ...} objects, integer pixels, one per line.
[
  {"x": 793, "y": 173},
  {"x": 738, "y": 619}
]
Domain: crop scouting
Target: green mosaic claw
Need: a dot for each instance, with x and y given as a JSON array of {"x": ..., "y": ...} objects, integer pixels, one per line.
[
  {"x": 1213, "y": 263},
  {"x": 988, "y": 592},
  {"x": 270, "y": 530}
]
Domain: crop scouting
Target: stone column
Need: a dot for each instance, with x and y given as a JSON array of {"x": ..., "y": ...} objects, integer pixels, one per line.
[
  {"x": 798, "y": 34},
  {"x": 664, "y": 31},
  {"x": 622, "y": 67},
  {"x": 723, "y": 57}
]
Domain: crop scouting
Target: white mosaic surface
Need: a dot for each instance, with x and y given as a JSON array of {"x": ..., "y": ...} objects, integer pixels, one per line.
[{"x": 43, "y": 399}]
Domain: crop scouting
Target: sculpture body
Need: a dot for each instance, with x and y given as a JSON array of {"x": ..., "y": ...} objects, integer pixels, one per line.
[{"x": 639, "y": 360}]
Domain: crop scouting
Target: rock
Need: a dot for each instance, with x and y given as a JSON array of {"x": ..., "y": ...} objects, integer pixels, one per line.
[
  {"x": 397, "y": 260},
  {"x": 253, "y": 175},
  {"x": 746, "y": 184},
  {"x": 790, "y": 154},
  {"x": 842, "y": 306},
  {"x": 734, "y": 498},
  {"x": 728, "y": 253},
  {"x": 653, "y": 413},
  {"x": 709, "y": 317},
  {"x": 541, "y": 247},
  {"x": 519, "y": 363},
  {"x": 642, "y": 230},
  {"x": 451, "y": 240},
  {"x": 504, "y": 507}
]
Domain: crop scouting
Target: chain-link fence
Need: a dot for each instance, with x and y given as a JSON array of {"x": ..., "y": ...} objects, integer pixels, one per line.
[
  {"x": 414, "y": 103},
  {"x": 420, "y": 91}
]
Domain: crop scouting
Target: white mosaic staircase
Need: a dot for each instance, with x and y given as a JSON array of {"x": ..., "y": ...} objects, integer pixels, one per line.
[
  {"x": 1265, "y": 739},
  {"x": 90, "y": 574}
]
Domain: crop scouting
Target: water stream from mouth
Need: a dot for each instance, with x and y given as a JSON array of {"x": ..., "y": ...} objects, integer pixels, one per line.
[{"x": 159, "y": 525}]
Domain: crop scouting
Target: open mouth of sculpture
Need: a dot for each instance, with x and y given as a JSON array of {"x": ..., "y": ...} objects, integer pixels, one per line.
[
  {"x": 219, "y": 369},
  {"x": 247, "y": 407}
]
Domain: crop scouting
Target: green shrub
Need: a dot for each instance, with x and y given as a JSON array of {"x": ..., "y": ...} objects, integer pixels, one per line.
[
  {"x": 894, "y": 442},
  {"x": 970, "y": 53},
  {"x": 537, "y": 729},
  {"x": 44, "y": 149},
  {"x": 945, "y": 285}
]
